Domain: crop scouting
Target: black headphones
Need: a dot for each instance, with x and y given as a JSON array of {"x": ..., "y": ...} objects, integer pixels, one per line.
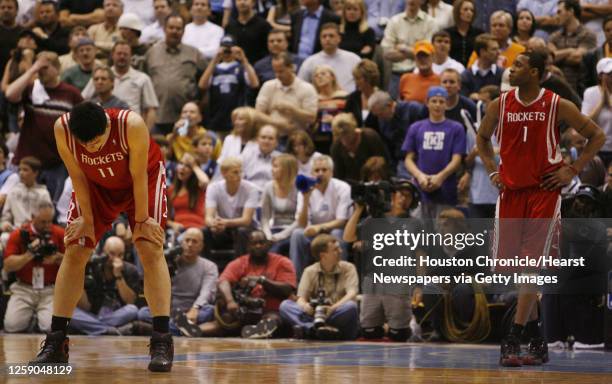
[{"x": 398, "y": 184}]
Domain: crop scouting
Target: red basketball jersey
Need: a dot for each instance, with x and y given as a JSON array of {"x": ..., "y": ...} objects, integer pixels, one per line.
[
  {"x": 109, "y": 168},
  {"x": 528, "y": 137}
]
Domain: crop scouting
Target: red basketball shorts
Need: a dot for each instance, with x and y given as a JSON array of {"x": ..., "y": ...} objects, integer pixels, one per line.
[
  {"x": 107, "y": 204},
  {"x": 527, "y": 225}
]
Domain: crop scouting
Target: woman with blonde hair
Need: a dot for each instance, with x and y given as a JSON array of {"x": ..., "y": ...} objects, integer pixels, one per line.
[
  {"x": 357, "y": 36},
  {"x": 246, "y": 122},
  {"x": 332, "y": 100},
  {"x": 279, "y": 203}
]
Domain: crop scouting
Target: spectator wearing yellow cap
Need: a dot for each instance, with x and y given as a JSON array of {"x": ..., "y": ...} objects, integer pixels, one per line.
[{"x": 414, "y": 86}]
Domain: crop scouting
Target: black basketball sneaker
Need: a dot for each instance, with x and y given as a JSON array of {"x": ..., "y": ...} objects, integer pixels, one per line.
[
  {"x": 54, "y": 350},
  {"x": 510, "y": 352},
  {"x": 161, "y": 350},
  {"x": 537, "y": 352}
]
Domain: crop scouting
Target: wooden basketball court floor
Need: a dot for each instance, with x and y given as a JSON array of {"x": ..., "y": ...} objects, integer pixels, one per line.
[{"x": 234, "y": 361}]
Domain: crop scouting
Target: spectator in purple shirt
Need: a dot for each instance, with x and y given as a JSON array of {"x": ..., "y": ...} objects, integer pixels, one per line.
[{"x": 434, "y": 148}]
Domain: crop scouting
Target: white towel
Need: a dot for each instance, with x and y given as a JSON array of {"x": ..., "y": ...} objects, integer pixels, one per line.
[{"x": 39, "y": 94}]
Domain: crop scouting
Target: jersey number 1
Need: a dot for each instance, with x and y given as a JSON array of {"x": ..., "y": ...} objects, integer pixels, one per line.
[
  {"x": 109, "y": 172},
  {"x": 525, "y": 134}
]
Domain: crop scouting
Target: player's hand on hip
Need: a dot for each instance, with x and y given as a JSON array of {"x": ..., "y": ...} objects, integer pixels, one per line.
[
  {"x": 149, "y": 230},
  {"x": 557, "y": 179},
  {"x": 496, "y": 181},
  {"x": 77, "y": 229}
]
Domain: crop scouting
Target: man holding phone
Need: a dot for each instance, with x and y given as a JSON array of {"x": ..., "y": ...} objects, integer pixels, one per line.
[{"x": 226, "y": 78}]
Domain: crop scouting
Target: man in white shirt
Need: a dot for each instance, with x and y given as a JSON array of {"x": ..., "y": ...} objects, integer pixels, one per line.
[
  {"x": 401, "y": 33},
  {"x": 155, "y": 31},
  {"x": 201, "y": 33},
  {"x": 258, "y": 163},
  {"x": 288, "y": 97},
  {"x": 230, "y": 208},
  {"x": 324, "y": 209},
  {"x": 340, "y": 60},
  {"x": 132, "y": 86},
  {"x": 441, "y": 41}
]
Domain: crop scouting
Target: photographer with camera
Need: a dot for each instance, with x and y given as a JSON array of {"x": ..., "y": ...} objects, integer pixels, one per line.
[
  {"x": 111, "y": 289},
  {"x": 326, "y": 307},
  {"x": 34, "y": 252},
  {"x": 384, "y": 307},
  {"x": 194, "y": 285},
  {"x": 251, "y": 289},
  {"x": 226, "y": 79}
]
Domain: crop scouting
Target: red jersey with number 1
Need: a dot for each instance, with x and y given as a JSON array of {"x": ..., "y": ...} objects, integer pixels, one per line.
[
  {"x": 109, "y": 167},
  {"x": 528, "y": 137}
]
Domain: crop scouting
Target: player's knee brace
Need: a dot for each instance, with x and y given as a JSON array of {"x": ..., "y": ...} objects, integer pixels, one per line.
[
  {"x": 399, "y": 334},
  {"x": 373, "y": 332}
]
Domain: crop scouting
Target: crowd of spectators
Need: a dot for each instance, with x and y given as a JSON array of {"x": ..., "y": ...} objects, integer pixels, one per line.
[{"x": 244, "y": 97}]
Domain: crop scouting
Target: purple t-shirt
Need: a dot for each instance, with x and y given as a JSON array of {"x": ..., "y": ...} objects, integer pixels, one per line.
[{"x": 434, "y": 145}]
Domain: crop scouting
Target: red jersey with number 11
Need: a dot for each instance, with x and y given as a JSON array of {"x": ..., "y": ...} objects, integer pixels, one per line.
[
  {"x": 109, "y": 167},
  {"x": 528, "y": 137}
]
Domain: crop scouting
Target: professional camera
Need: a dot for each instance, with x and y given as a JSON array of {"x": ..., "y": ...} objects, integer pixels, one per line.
[
  {"x": 250, "y": 308},
  {"x": 376, "y": 196},
  {"x": 587, "y": 202},
  {"x": 94, "y": 271},
  {"x": 45, "y": 245},
  {"x": 171, "y": 255},
  {"x": 320, "y": 304}
]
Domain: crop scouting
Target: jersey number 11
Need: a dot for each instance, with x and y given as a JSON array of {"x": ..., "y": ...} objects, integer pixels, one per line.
[{"x": 109, "y": 172}]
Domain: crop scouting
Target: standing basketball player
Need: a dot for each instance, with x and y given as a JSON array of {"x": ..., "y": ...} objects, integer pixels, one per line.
[
  {"x": 530, "y": 176},
  {"x": 115, "y": 167}
]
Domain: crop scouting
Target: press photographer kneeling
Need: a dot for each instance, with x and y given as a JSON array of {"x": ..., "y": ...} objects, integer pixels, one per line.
[
  {"x": 111, "y": 288},
  {"x": 34, "y": 253},
  {"x": 326, "y": 307},
  {"x": 194, "y": 285},
  {"x": 250, "y": 291},
  {"x": 384, "y": 306}
]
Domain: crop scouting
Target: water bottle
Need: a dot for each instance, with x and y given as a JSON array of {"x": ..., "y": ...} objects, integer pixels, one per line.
[{"x": 182, "y": 131}]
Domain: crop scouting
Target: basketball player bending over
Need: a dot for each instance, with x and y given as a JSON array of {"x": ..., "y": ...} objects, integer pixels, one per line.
[
  {"x": 531, "y": 174},
  {"x": 115, "y": 167}
]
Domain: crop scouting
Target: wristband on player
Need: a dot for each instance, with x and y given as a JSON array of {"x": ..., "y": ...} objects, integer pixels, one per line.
[
  {"x": 493, "y": 174},
  {"x": 571, "y": 166}
]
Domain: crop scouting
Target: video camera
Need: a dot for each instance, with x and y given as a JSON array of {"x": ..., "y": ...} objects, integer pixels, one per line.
[
  {"x": 44, "y": 248},
  {"x": 93, "y": 273},
  {"x": 172, "y": 255},
  {"x": 320, "y": 304},
  {"x": 376, "y": 196},
  {"x": 587, "y": 202},
  {"x": 250, "y": 308}
]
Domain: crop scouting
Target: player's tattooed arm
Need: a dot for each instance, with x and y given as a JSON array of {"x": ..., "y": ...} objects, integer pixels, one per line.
[
  {"x": 586, "y": 127},
  {"x": 80, "y": 186},
  {"x": 569, "y": 114}
]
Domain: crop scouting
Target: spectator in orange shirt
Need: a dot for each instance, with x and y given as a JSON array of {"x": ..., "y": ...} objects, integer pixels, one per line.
[
  {"x": 501, "y": 29},
  {"x": 414, "y": 86}
]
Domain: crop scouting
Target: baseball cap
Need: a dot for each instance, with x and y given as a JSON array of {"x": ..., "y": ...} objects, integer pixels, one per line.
[
  {"x": 423, "y": 46},
  {"x": 437, "y": 91},
  {"x": 85, "y": 41},
  {"x": 130, "y": 21},
  {"x": 588, "y": 191},
  {"x": 604, "y": 65},
  {"x": 228, "y": 41}
]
